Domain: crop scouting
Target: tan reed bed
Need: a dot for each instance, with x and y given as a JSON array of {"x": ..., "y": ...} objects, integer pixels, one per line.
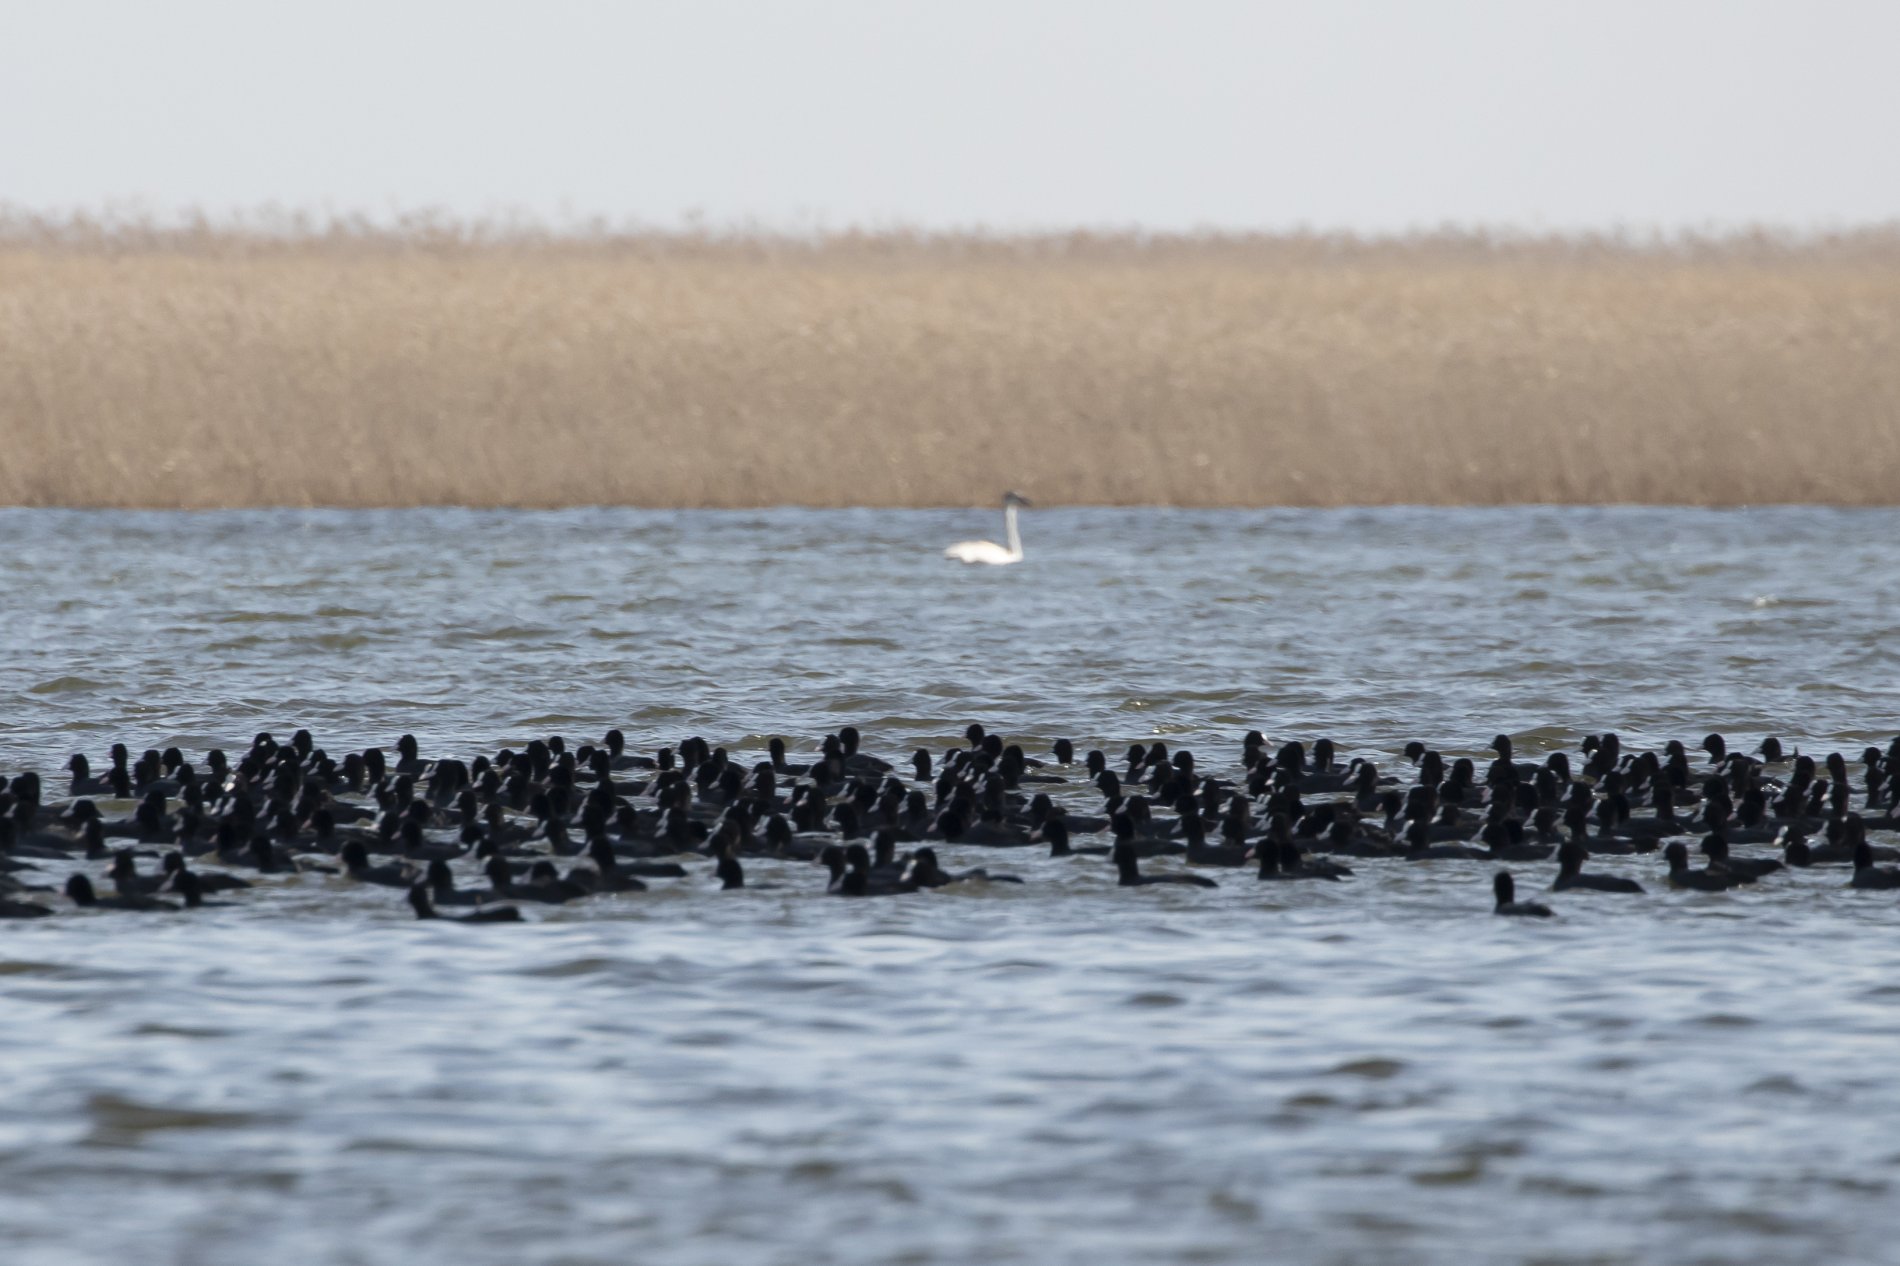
[{"x": 415, "y": 366}]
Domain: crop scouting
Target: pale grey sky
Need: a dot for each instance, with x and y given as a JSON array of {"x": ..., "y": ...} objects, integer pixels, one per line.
[{"x": 1359, "y": 114}]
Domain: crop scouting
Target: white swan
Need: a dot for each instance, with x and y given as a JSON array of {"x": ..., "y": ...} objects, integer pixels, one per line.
[{"x": 990, "y": 551}]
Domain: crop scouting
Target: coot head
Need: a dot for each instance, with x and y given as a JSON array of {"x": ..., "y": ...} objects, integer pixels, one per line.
[{"x": 924, "y": 868}]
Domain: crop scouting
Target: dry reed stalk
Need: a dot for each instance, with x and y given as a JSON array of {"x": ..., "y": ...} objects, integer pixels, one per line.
[{"x": 225, "y": 368}]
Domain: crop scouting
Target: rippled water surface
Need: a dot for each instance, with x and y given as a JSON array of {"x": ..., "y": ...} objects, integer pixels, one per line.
[{"x": 1374, "y": 1071}]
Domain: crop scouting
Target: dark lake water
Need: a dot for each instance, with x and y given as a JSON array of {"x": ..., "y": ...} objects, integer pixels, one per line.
[{"x": 1374, "y": 1071}]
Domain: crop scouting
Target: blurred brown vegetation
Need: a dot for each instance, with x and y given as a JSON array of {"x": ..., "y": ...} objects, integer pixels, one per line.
[{"x": 344, "y": 364}]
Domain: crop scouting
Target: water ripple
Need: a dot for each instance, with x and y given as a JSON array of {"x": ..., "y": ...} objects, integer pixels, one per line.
[{"x": 1062, "y": 1073}]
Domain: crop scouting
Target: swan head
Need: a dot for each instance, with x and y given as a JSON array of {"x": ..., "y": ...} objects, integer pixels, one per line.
[{"x": 1018, "y": 500}]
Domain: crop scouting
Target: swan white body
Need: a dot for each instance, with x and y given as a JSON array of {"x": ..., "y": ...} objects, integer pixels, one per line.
[{"x": 989, "y": 551}]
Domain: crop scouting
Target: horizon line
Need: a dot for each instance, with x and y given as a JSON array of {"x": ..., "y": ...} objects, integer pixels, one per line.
[{"x": 275, "y": 224}]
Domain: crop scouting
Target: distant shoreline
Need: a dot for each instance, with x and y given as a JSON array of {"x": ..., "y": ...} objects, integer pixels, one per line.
[{"x": 435, "y": 365}]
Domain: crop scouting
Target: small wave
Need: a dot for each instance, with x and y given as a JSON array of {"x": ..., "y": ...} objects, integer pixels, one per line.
[
  {"x": 115, "y": 1115},
  {"x": 506, "y": 633},
  {"x": 573, "y": 967},
  {"x": 547, "y": 719},
  {"x": 337, "y": 641},
  {"x": 177, "y": 1030},
  {"x": 46, "y": 971},
  {"x": 259, "y": 617},
  {"x": 1461, "y": 1172},
  {"x": 65, "y": 685}
]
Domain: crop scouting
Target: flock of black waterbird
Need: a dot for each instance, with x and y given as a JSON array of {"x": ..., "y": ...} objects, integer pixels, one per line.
[{"x": 617, "y": 819}]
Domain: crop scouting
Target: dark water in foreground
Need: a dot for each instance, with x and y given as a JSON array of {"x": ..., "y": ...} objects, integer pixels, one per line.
[{"x": 1366, "y": 1072}]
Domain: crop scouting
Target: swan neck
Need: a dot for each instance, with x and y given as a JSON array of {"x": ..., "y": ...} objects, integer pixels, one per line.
[{"x": 1009, "y": 528}]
